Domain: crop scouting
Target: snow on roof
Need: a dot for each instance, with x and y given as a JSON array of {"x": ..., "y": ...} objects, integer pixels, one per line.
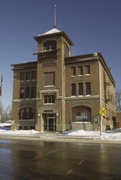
[{"x": 52, "y": 31}]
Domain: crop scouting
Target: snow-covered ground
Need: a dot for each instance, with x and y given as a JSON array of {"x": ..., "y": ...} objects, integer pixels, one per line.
[
  {"x": 108, "y": 135},
  {"x": 5, "y": 124},
  {"x": 18, "y": 132},
  {"x": 112, "y": 135}
]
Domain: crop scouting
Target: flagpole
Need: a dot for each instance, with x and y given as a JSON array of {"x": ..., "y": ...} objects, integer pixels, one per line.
[
  {"x": 1, "y": 96},
  {"x": 55, "y": 16}
]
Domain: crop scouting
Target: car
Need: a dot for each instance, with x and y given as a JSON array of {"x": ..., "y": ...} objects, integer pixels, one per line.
[{"x": 9, "y": 121}]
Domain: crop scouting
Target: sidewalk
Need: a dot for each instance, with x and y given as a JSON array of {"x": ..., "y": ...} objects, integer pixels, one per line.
[{"x": 55, "y": 137}]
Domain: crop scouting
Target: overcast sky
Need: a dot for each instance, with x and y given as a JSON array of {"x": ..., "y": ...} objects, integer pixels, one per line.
[{"x": 93, "y": 26}]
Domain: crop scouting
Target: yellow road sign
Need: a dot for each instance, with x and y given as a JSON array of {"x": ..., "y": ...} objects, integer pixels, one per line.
[{"x": 103, "y": 111}]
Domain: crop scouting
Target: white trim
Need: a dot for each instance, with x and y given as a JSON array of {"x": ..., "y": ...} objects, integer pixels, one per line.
[
  {"x": 27, "y": 99},
  {"x": 50, "y": 86},
  {"x": 48, "y": 91},
  {"x": 83, "y": 97},
  {"x": 77, "y": 122},
  {"x": 16, "y": 100},
  {"x": 48, "y": 104},
  {"x": 28, "y": 80},
  {"x": 26, "y": 119},
  {"x": 73, "y": 76},
  {"x": 87, "y": 74},
  {"x": 80, "y": 75}
]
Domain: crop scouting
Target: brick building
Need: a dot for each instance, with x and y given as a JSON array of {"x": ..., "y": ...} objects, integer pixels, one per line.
[
  {"x": 60, "y": 92},
  {"x": 118, "y": 119}
]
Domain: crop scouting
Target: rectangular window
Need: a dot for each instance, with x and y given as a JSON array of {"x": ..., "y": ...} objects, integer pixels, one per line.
[
  {"x": 28, "y": 75},
  {"x": 33, "y": 92},
  {"x": 27, "y": 92},
  {"x": 22, "y": 92},
  {"x": 80, "y": 89},
  {"x": 22, "y": 76},
  {"x": 33, "y": 75},
  {"x": 73, "y": 89},
  {"x": 73, "y": 71},
  {"x": 80, "y": 70},
  {"x": 49, "y": 78},
  {"x": 49, "y": 99},
  {"x": 87, "y": 69},
  {"x": 88, "y": 88}
]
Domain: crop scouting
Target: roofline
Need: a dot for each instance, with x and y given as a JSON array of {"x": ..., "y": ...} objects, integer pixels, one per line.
[
  {"x": 93, "y": 57},
  {"x": 103, "y": 62},
  {"x": 27, "y": 63},
  {"x": 83, "y": 56},
  {"x": 54, "y": 34}
]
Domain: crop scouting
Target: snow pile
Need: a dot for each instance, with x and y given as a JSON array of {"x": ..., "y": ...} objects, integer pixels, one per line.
[
  {"x": 82, "y": 133},
  {"x": 18, "y": 132},
  {"x": 112, "y": 135},
  {"x": 5, "y": 124},
  {"x": 108, "y": 135}
]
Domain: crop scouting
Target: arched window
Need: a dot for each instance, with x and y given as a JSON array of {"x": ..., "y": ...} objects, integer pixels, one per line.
[
  {"x": 27, "y": 113},
  {"x": 50, "y": 45},
  {"x": 81, "y": 114}
]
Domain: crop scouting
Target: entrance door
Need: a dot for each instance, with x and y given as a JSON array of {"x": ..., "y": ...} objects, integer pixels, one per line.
[{"x": 49, "y": 122}]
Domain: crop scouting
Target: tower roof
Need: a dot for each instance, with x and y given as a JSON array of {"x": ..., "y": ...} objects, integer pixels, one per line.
[{"x": 54, "y": 31}]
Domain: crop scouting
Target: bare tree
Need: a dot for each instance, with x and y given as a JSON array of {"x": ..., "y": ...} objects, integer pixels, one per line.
[
  {"x": 1, "y": 110},
  {"x": 6, "y": 115},
  {"x": 118, "y": 100}
]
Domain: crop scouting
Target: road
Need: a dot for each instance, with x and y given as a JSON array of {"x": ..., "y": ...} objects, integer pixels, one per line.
[{"x": 35, "y": 160}]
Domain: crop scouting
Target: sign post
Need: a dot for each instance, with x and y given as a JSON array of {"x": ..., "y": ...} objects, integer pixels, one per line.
[{"x": 102, "y": 112}]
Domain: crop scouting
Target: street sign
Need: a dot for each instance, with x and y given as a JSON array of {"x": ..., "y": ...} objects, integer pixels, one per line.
[{"x": 103, "y": 111}]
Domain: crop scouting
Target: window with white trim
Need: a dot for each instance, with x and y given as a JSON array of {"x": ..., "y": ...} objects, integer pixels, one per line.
[
  {"x": 73, "y": 71},
  {"x": 80, "y": 89},
  {"x": 73, "y": 89},
  {"x": 81, "y": 114},
  {"x": 80, "y": 70},
  {"x": 26, "y": 113},
  {"x": 88, "y": 88},
  {"x": 48, "y": 99},
  {"x": 87, "y": 69},
  {"x": 50, "y": 45}
]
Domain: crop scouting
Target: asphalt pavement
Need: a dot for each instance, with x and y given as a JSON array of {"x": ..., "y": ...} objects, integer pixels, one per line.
[{"x": 39, "y": 160}]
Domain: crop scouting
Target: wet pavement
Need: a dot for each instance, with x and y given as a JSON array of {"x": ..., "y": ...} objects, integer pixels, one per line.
[{"x": 35, "y": 160}]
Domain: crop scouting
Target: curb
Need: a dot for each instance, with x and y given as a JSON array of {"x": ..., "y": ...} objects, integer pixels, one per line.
[{"x": 61, "y": 139}]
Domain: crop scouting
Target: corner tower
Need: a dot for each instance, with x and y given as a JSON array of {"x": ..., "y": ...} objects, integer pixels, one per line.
[
  {"x": 53, "y": 40},
  {"x": 52, "y": 48}
]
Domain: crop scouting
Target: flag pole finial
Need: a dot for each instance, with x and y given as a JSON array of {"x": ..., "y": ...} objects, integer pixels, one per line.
[{"x": 55, "y": 15}]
